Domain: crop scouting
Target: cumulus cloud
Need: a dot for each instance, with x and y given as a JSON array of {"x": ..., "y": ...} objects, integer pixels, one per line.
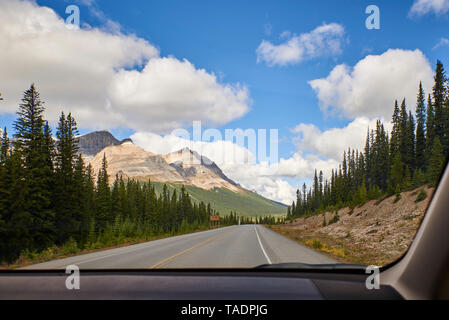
[
  {"x": 423, "y": 7},
  {"x": 324, "y": 40},
  {"x": 267, "y": 179},
  {"x": 332, "y": 142},
  {"x": 370, "y": 87},
  {"x": 222, "y": 152},
  {"x": 106, "y": 79}
]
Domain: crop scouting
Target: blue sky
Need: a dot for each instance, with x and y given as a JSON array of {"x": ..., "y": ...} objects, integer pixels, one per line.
[{"x": 222, "y": 38}]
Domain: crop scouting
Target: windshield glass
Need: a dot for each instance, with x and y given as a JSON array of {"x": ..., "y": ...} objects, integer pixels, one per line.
[{"x": 199, "y": 134}]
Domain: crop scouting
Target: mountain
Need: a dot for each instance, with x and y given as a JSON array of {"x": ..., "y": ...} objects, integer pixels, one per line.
[
  {"x": 92, "y": 143},
  {"x": 203, "y": 179},
  {"x": 245, "y": 202},
  {"x": 199, "y": 171},
  {"x": 181, "y": 167},
  {"x": 130, "y": 161}
]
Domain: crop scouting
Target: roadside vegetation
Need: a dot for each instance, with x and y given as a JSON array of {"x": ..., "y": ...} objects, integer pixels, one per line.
[
  {"x": 376, "y": 233},
  {"x": 413, "y": 155},
  {"x": 370, "y": 208},
  {"x": 52, "y": 204}
]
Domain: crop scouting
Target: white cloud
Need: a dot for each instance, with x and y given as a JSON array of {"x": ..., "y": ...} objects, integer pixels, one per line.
[
  {"x": 301, "y": 166},
  {"x": 423, "y": 7},
  {"x": 91, "y": 73},
  {"x": 322, "y": 41},
  {"x": 443, "y": 42},
  {"x": 370, "y": 88},
  {"x": 332, "y": 142},
  {"x": 261, "y": 177},
  {"x": 256, "y": 177},
  {"x": 222, "y": 152}
]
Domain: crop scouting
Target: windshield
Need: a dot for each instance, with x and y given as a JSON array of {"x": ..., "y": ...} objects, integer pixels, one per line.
[{"x": 199, "y": 134}]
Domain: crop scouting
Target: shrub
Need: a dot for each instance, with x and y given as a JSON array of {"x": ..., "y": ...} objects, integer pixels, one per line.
[
  {"x": 335, "y": 219},
  {"x": 317, "y": 244},
  {"x": 397, "y": 198},
  {"x": 421, "y": 195},
  {"x": 70, "y": 247}
]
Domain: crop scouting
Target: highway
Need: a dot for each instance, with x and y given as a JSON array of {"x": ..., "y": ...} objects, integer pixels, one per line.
[{"x": 244, "y": 246}]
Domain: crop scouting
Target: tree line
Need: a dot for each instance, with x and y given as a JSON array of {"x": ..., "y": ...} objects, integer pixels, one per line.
[
  {"x": 49, "y": 196},
  {"x": 414, "y": 154}
]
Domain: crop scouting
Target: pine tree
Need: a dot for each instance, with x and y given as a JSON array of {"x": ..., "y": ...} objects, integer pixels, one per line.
[
  {"x": 88, "y": 222},
  {"x": 430, "y": 127},
  {"x": 396, "y": 131},
  {"x": 420, "y": 146},
  {"x": 103, "y": 198},
  {"x": 299, "y": 209},
  {"x": 410, "y": 142},
  {"x": 437, "y": 161},
  {"x": 4, "y": 192},
  {"x": 81, "y": 212},
  {"x": 403, "y": 137},
  {"x": 30, "y": 143},
  {"x": 446, "y": 125},
  {"x": 65, "y": 197},
  {"x": 18, "y": 235},
  {"x": 397, "y": 173},
  {"x": 116, "y": 199},
  {"x": 439, "y": 93}
]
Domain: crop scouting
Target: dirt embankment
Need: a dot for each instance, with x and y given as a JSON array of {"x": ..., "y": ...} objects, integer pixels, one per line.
[{"x": 377, "y": 233}]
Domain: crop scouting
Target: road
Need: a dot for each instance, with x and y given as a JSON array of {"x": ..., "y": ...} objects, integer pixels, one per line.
[{"x": 243, "y": 246}]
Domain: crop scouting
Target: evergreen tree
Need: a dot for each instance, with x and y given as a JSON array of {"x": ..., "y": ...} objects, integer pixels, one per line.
[
  {"x": 396, "y": 131},
  {"x": 4, "y": 192},
  {"x": 403, "y": 137},
  {"x": 439, "y": 93},
  {"x": 430, "y": 127},
  {"x": 410, "y": 142},
  {"x": 37, "y": 215},
  {"x": 65, "y": 197},
  {"x": 103, "y": 198},
  {"x": 437, "y": 161},
  {"x": 81, "y": 213},
  {"x": 420, "y": 146}
]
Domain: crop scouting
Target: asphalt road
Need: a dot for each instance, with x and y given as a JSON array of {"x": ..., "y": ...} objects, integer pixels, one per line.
[{"x": 244, "y": 246}]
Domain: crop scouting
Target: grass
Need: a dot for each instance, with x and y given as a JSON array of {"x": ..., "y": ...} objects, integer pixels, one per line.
[{"x": 318, "y": 245}]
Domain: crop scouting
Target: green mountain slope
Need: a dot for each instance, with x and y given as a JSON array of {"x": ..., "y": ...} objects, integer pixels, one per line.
[{"x": 246, "y": 203}]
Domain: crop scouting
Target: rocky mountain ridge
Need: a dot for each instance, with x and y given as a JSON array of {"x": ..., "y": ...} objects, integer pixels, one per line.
[
  {"x": 130, "y": 161},
  {"x": 92, "y": 143}
]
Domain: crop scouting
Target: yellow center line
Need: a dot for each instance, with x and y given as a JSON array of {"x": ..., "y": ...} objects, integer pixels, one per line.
[{"x": 167, "y": 260}]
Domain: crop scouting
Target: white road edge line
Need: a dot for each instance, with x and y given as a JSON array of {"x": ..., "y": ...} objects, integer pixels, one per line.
[{"x": 261, "y": 246}]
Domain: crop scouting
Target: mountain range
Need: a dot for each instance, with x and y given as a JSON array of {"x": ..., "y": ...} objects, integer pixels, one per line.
[{"x": 202, "y": 178}]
